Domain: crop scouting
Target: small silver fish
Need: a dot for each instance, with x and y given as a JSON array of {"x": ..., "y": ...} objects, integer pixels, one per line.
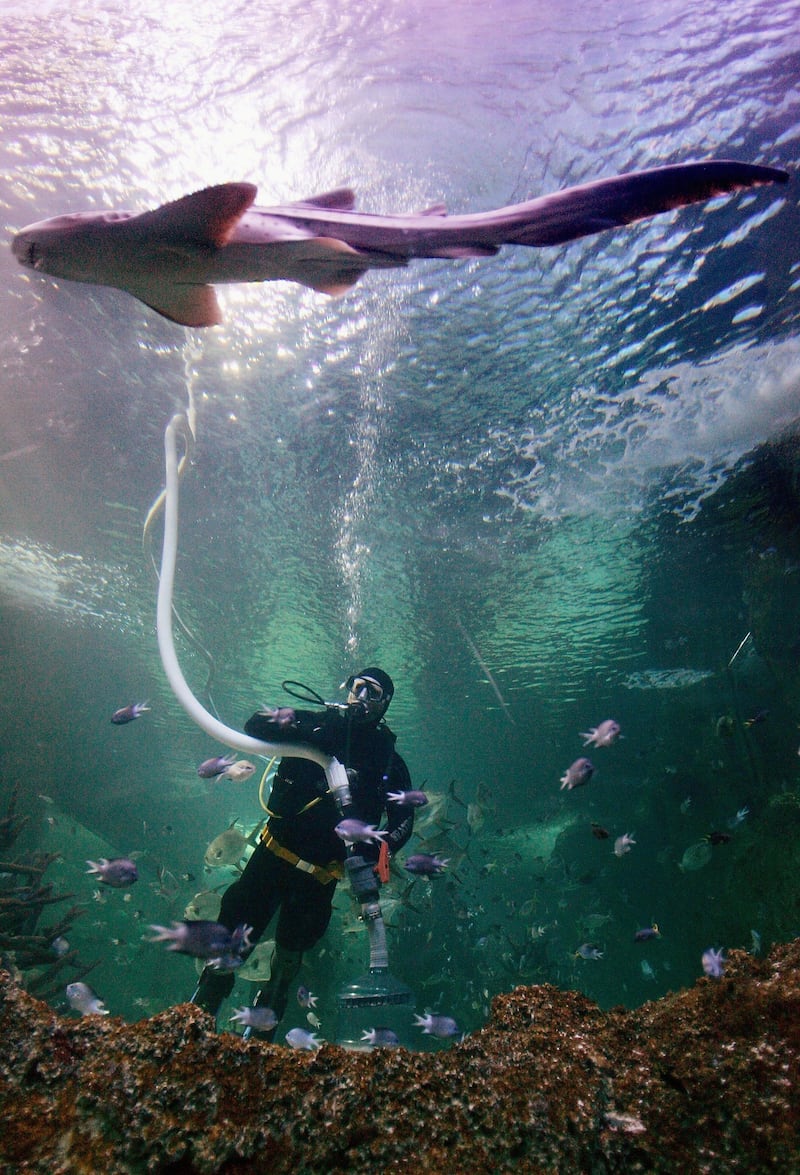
[
  {"x": 261, "y": 1019},
  {"x": 305, "y": 998},
  {"x": 603, "y": 735},
  {"x": 211, "y": 767},
  {"x": 426, "y": 864},
  {"x": 203, "y": 905},
  {"x": 116, "y": 871},
  {"x": 380, "y": 1037},
  {"x": 622, "y": 844},
  {"x": 226, "y": 849},
  {"x": 739, "y": 818},
  {"x": 433, "y": 1025},
  {"x": 205, "y": 940},
  {"x": 626, "y": 1122},
  {"x": 81, "y": 997},
  {"x": 589, "y": 951},
  {"x": 129, "y": 713},
  {"x": 299, "y": 1038},
  {"x": 354, "y": 831},
  {"x": 577, "y": 774},
  {"x": 238, "y": 771},
  {"x": 713, "y": 963},
  {"x": 475, "y": 817},
  {"x": 416, "y": 799}
]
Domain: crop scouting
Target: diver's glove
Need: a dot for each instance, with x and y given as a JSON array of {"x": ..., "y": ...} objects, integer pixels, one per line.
[{"x": 362, "y": 878}]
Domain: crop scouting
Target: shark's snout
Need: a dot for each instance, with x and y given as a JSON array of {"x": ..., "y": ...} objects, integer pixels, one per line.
[
  {"x": 28, "y": 249},
  {"x": 51, "y": 245},
  {"x": 24, "y": 249}
]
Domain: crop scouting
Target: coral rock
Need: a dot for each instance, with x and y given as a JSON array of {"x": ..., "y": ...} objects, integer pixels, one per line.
[{"x": 702, "y": 1080}]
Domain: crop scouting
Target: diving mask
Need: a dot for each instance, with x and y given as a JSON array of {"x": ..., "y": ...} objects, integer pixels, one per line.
[
  {"x": 363, "y": 689},
  {"x": 366, "y": 696}
]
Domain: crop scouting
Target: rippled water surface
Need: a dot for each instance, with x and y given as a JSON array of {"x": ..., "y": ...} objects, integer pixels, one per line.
[{"x": 542, "y": 489}]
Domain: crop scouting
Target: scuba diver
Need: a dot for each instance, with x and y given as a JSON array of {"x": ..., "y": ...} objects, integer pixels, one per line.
[{"x": 299, "y": 858}]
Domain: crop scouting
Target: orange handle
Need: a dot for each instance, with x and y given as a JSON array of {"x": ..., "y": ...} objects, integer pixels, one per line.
[{"x": 382, "y": 868}]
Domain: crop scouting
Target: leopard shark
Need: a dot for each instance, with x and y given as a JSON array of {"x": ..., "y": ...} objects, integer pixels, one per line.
[{"x": 171, "y": 257}]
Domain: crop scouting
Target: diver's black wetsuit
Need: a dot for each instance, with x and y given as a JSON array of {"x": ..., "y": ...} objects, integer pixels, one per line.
[{"x": 303, "y": 815}]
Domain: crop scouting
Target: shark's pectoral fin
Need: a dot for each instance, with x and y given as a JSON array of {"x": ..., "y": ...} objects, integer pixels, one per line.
[
  {"x": 331, "y": 285},
  {"x": 331, "y": 266},
  {"x": 185, "y": 304}
]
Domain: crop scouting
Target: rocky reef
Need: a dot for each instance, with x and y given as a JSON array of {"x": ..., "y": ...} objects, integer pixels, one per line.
[{"x": 702, "y": 1080}]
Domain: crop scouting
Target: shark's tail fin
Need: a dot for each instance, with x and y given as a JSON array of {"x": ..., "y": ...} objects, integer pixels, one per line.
[{"x": 610, "y": 203}]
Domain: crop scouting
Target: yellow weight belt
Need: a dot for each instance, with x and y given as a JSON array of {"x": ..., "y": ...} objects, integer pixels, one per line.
[{"x": 324, "y": 874}]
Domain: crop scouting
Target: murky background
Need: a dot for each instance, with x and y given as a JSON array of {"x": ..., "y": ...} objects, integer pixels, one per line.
[{"x": 541, "y": 490}]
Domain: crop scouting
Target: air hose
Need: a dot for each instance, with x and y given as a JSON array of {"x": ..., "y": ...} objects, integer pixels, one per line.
[{"x": 364, "y": 888}]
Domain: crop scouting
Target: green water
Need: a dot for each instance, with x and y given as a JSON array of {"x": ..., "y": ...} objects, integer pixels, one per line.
[{"x": 576, "y": 468}]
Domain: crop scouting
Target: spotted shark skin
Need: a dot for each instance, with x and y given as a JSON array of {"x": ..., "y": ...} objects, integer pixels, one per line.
[{"x": 172, "y": 257}]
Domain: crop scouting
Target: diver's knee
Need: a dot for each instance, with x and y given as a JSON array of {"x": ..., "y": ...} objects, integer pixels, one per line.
[
  {"x": 285, "y": 962},
  {"x": 213, "y": 988}
]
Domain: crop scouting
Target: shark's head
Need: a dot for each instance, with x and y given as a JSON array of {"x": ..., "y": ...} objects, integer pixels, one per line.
[{"x": 73, "y": 246}]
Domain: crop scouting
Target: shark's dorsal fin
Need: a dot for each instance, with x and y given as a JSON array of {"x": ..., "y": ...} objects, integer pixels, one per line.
[
  {"x": 341, "y": 198},
  {"x": 188, "y": 305},
  {"x": 434, "y": 210},
  {"x": 208, "y": 217}
]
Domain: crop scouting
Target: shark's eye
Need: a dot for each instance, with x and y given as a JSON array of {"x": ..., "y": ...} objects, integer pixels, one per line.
[{"x": 32, "y": 255}]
